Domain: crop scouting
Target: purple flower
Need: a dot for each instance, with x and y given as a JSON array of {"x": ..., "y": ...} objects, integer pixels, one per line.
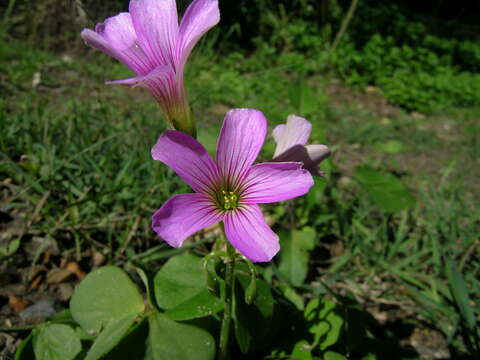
[
  {"x": 228, "y": 188},
  {"x": 149, "y": 41},
  {"x": 291, "y": 139}
]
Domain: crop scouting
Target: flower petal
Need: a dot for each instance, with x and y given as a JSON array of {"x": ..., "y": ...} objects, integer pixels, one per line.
[
  {"x": 161, "y": 82},
  {"x": 278, "y": 132},
  {"x": 188, "y": 158},
  {"x": 296, "y": 132},
  {"x": 240, "y": 141},
  {"x": 199, "y": 17},
  {"x": 272, "y": 182},
  {"x": 116, "y": 37},
  {"x": 318, "y": 152},
  {"x": 310, "y": 156},
  {"x": 248, "y": 232},
  {"x": 183, "y": 215},
  {"x": 156, "y": 25}
]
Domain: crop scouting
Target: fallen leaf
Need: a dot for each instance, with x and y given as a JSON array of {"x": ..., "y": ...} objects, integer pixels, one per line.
[{"x": 17, "y": 303}]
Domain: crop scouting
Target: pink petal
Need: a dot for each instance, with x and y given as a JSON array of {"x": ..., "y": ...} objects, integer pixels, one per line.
[
  {"x": 272, "y": 182},
  {"x": 161, "y": 82},
  {"x": 240, "y": 141},
  {"x": 183, "y": 215},
  {"x": 156, "y": 25},
  {"x": 248, "y": 232},
  {"x": 188, "y": 158},
  {"x": 296, "y": 132},
  {"x": 278, "y": 132},
  {"x": 317, "y": 153},
  {"x": 199, "y": 17},
  {"x": 116, "y": 37}
]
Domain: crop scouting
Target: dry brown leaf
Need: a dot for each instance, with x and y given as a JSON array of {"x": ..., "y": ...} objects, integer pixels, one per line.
[{"x": 17, "y": 303}]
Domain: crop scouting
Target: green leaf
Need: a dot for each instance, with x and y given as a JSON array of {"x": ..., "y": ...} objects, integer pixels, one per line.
[
  {"x": 390, "y": 147},
  {"x": 332, "y": 355},
  {"x": 302, "y": 351},
  {"x": 460, "y": 293},
  {"x": 181, "y": 288},
  {"x": 181, "y": 278},
  {"x": 254, "y": 324},
  {"x": 133, "y": 345},
  {"x": 169, "y": 339},
  {"x": 315, "y": 193},
  {"x": 295, "y": 255},
  {"x": 386, "y": 191},
  {"x": 10, "y": 249},
  {"x": 105, "y": 295},
  {"x": 25, "y": 349},
  {"x": 199, "y": 305},
  {"x": 291, "y": 295},
  {"x": 56, "y": 342},
  {"x": 324, "y": 322},
  {"x": 302, "y": 97},
  {"x": 64, "y": 317},
  {"x": 110, "y": 337}
]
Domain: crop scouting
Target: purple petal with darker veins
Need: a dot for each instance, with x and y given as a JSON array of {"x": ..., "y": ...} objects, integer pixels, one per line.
[
  {"x": 199, "y": 17},
  {"x": 161, "y": 82},
  {"x": 116, "y": 37},
  {"x": 272, "y": 182},
  {"x": 188, "y": 158},
  {"x": 183, "y": 215},
  {"x": 296, "y": 132},
  {"x": 241, "y": 138},
  {"x": 248, "y": 232},
  {"x": 156, "y": 25}
]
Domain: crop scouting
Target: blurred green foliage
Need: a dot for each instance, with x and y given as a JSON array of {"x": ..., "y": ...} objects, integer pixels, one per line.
[{"x": 422, "y": 60}]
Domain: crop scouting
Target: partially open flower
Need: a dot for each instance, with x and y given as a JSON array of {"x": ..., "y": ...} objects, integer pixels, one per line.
[
  {"x": 228, "y": 188},
  {"x": 149, "y": 40},
  {"x": 291, "y": 139}
]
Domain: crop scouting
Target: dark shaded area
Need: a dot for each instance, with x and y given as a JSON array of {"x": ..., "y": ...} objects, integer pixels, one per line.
[{"x": 243, "y": 21}]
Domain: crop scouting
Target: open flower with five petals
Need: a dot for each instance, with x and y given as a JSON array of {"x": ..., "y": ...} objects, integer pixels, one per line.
[
  {"x": 228, "y": 188},
  {"x": 149, "y": 40}
]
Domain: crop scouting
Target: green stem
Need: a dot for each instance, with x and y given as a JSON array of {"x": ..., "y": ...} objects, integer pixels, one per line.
[{"x": 227, "y": 312}]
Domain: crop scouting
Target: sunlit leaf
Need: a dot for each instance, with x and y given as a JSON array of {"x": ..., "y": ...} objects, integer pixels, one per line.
[
  {"x": 386, "y": 191},
  {"x": 105, "y": 295},
  {"x": 169, "y": 339},
  {"x": 199, "y": 305},
  {"x": 390, "y": 147},
  {"x": 56, "y": 342},
  {"x": 324, "y": 322},
  {"x": 180, "y": 288},
  {"x": 332, "y": 355},
  {"x": 295, "y": 255}
]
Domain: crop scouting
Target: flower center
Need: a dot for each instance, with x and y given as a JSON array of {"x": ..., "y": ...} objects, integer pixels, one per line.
[{"x": 228, "y": 200}]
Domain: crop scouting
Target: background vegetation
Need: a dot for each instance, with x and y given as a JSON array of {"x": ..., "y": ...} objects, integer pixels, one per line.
[{"x": 392, "y": 233}]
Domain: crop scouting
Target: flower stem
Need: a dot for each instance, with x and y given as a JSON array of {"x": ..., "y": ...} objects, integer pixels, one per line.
[{"x": 229, "y": 293}]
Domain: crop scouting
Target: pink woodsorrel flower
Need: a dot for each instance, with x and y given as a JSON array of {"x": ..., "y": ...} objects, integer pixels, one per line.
[
  {"x": 291, "y": 139},
  {"x": 229, "y": 188},
  {"x": 149, "y": 41}
]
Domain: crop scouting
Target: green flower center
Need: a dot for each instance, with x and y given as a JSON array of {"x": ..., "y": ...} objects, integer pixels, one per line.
[{"x": 228, "y": 200}]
